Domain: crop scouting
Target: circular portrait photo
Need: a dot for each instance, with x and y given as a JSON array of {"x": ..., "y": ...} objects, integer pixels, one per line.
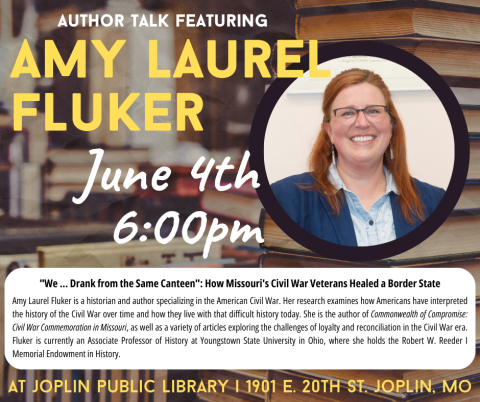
[{"x": 361, "y": 157}]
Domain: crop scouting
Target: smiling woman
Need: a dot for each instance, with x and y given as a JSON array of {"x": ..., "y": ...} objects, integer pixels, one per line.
[{"x": 359, "y": 191}]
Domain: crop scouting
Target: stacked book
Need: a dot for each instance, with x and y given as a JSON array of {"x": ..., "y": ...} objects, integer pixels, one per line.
[
  {"x": 469, "y": 99},
  {"x": 325, "y": 385},
  {"x": 446, "y": 35},
  {"x": 454, "y": 244},
  {"x": 134, "y": 254}
]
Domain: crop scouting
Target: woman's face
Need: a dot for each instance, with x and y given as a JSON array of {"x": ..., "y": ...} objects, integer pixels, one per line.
[{"x": 361, "y": 142}]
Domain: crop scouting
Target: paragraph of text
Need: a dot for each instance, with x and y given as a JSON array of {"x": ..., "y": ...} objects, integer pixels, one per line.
[{"x": 221, "y": 319}]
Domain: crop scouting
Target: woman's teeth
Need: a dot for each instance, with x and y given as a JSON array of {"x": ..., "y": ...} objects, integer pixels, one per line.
[{"x": 363, "y": 138}]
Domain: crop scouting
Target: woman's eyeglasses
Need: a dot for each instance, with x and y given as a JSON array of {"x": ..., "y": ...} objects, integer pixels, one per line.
[{"x": 348, "y": 115}]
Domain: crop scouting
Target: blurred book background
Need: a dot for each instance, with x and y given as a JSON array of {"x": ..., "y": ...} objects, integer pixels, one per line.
[{"x": 40, "y": 171}]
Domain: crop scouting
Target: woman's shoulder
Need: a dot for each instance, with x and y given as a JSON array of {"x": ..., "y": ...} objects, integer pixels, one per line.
[
  {"x": 430, "y": 195},
  {"x": 293, "y": 189},
  {"x": 293, "y": 186},
  {"x": 299, "y": 199},
  {"x": 303, "y": 179}
]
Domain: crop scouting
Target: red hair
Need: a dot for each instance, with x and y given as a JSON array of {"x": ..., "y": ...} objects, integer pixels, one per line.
[{"x": 321, "y": 155}]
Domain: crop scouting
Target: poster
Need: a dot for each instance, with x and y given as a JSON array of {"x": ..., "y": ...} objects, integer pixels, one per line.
[{"x": 148, "y": 94}]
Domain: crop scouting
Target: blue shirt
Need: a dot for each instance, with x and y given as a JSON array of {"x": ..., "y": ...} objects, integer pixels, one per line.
[
  {"x": 310, "y": 209},
  {"x": 371, "y": 227}
]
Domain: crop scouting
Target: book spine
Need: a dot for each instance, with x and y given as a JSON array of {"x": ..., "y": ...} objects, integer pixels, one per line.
[
  {"x": 387, "y": 5},
  {"x": 297, "y": 27}
]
